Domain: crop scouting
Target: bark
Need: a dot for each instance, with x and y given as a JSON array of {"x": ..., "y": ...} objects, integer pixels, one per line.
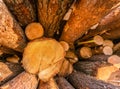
[
  {"x": 108, "y": 26},
  {"x": 22, "y": 81},
  {"x": 82, "y": 81},
  {"x": 63, "y": 83},
  {"x": 86, "y": 14},
  {"x": 8, "y": 50},
  {"x": 11, "y": 33},
  {"x": 101, "y": 70},
  {"x": 8, "y": 71},
  {"x": 23, "y": 10},
  {"x": 51, "y": 13},
  {"x": 99, "y": 57},
  {"x": 112, "y": 34}
]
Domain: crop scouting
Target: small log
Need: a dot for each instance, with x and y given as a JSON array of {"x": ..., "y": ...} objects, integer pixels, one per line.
[
  {"x": 85, "y": 14},
  {"x": 51, "y": 13},
  {"x": 63, "y": 83},
  {"x": 34, "y": 31},
  {"x": 22, "y": 81},
  {"x": 11, "y": 33},
  {"x": 51, "y": 84},
  {"x": 23, "y": 10},
  {"x": 99, "y": 69},
  {"x": 8, "y": 71},
  {"x": 82, "y": 81}
]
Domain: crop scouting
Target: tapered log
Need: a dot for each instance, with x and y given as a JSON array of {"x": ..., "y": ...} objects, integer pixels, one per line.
[
  {"x": 8, "y": 50},
  {"x": 82, "y": 81},
  {"x": 108, "y": 26},
  {"x": 11, "y": 34},
  {"x": 63, "y": 83},
  {"x": 23, "y": 10},
  {"x": 22, "y": 81},
  {"x": 86, "y": 14},
  {"x": 51, "y": 13},
  {"x": 99, "y": 69},
  {"x": 8, "y": 71}
]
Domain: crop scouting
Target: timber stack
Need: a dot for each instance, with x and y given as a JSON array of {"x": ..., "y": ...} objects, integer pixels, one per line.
[{"x": 59, "y": 44}]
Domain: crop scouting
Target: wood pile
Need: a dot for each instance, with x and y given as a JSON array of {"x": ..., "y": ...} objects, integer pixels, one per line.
[{"x": 59, "y": 44}]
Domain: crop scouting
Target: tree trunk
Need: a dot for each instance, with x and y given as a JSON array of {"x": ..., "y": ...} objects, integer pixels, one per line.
[
  {"x": 99, "y": 69},
  {"x": 51, "y": 13},
  {"x": 8, "y": 71},
  {"x": 82, "y": 81},
  {"x": 108, "y": 26},
  {"x": 11, "y": 33},
  {"x": 22, "y": 81},
  {"x": 23, "y": 10},
  {"x": 63, "y": 83},
  {"x": 86, "y": 14}
]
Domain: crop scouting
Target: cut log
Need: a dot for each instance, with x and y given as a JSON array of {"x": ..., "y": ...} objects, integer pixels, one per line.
[
  {"x": 51, "y": 13},
  {"x": 115, "y": 78},
  {"x": 23, "y": 10},
  {"x": 13, "y": 59},
  {"x": 82, "y": 81},
  {"x": 51, "y": 84},
  {"x": 11, "y": 33},
  {"x": 85, "y": 14},
  {"x": 108, "y": 27},
  {"x": 99, "y": 69},
  {"x": 34, "y": 31},
  {"x": 8, "y": 71},
  {"x": 22, "y": 81},
  {"x": 43, "y": 57},
  {"x": 63, "y": 83}
]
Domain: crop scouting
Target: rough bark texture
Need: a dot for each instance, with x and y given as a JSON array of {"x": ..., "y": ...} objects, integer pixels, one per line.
[
  {"x": 112, "y": 34},
  {"x": 8, "y": 50},
  {"x": 82, "y": 81},
  {"x": 63, "y": 83},
  {"x": 22, "y": 81},
  {"x": 11, "y": 33},
  {"x": 99, "y": 57},
  {"x": 91, "y": 68},
  {"x": 86, "y": 14},
  {"x": 23, "y": 10},
  {"x": 51, "y": 13},
  {"x": 8, "y": 71},
  {"x": 108, "y": 26}
]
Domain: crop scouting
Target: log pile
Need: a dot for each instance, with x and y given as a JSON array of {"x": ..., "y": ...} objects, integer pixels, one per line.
[{"x": 59, "y": 44}]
